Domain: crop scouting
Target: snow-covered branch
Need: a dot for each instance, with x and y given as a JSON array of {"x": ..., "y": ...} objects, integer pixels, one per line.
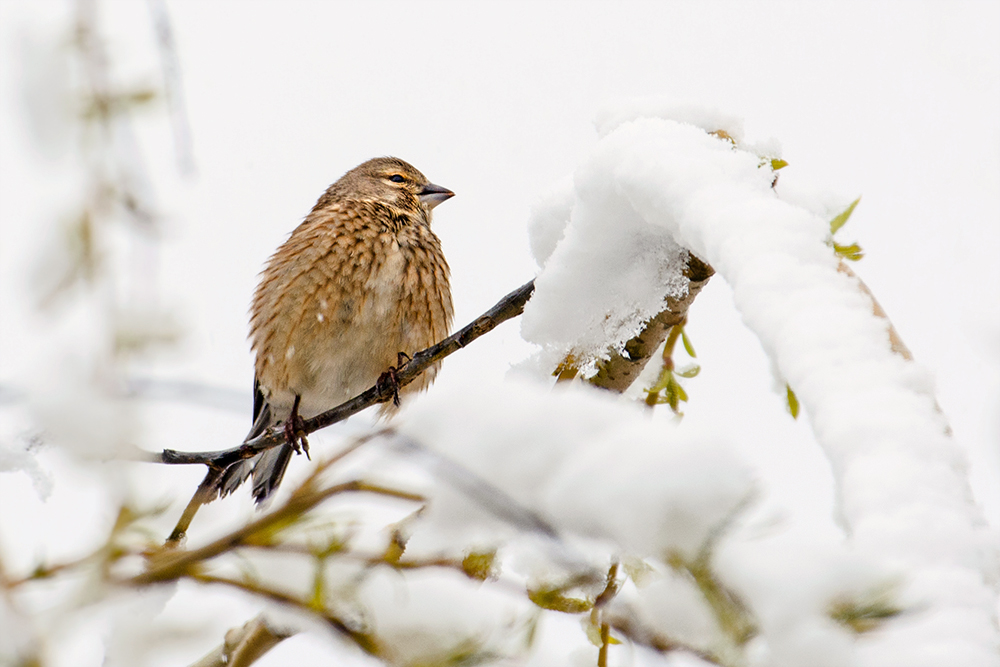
[{"x": 903, "y": 494}]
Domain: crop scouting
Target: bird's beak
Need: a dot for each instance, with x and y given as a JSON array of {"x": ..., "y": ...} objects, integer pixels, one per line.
[{"x": 431, "y": 195}]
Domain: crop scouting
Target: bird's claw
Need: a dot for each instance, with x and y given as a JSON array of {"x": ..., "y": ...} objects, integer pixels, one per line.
[
  {"x": 295, "y": 431},
  {"x": 388, "y": 383},
  {"x": 295, "y": 435}
]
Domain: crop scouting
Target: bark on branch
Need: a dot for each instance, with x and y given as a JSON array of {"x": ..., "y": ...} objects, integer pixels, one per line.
[{"x": 244, "y": 645}]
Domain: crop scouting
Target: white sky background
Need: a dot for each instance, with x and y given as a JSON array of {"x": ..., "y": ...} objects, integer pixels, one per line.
[{"x": 897, "y": 102}]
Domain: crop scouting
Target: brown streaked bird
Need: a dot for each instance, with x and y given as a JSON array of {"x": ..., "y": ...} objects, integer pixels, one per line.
[{"x": 360, "y": 281}]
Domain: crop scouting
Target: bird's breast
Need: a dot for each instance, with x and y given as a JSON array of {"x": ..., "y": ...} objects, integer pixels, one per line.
[{"x": 338, "y": 325}]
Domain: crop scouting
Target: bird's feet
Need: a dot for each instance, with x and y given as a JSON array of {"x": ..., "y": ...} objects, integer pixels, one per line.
[
  {"x": 295, "y": 431},
  {"x": 388, "y": 382}
]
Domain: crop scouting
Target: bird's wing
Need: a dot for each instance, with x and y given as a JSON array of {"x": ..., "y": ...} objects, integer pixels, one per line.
[
  {"x": 261, "y": 412},
  {"x": 237, "y": 473}
]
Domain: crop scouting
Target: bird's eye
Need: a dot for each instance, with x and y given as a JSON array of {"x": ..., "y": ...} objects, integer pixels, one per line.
[{"x": 396, "y": 178}]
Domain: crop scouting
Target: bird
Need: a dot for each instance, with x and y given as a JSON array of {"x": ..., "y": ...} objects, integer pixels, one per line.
[{"x": 360, "y": 284}]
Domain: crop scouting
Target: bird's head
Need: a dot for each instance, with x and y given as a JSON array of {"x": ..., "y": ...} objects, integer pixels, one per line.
[{"x": 394, "y": 182}]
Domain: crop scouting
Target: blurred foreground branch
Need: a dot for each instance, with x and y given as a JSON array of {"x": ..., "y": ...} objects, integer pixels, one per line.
[{"x": 244, "y": 645}]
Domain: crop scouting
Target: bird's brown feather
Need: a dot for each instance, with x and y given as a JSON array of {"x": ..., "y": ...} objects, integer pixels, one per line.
[{"x": 360, "y": 280}]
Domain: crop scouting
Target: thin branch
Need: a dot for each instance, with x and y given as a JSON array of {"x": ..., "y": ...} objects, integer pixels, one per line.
[
  {"x": 608, "y": 594},
  {"x": 507, "y": 308},
  {"x": 204, "y": 494},
  {"x": 645, "y": 636},
  {"x": 170, "y": 564},
  {"x": 363, "y": 640}
]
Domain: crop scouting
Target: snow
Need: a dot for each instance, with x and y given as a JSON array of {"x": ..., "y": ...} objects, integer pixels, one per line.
[
  {"x": 428, "y": 617},
  {"x": 17, "y": 456},
  {"x": 871, "y": 410},
  {"x": 621, "y": 271},
  {"x": 591, "y": 466}
]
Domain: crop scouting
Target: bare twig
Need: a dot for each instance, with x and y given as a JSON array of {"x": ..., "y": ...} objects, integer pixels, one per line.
[
  {"x": 363, "y": 640},
  {"x": 644, "y": 635},
  {"x": 608, "y": 594},
  {"x": 244, "y": 645},
  {"x": 168, "y": 564}
]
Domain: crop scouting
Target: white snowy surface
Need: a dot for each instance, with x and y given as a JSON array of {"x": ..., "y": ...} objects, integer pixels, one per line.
[
  {"x": 590, "y": 465},
  {"x": 425, "y": 617},
  {"x": 608, "y": 274}
]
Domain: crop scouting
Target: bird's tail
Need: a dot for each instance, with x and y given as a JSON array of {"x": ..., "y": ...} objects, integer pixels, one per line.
[{"x": 267, "y": 468}]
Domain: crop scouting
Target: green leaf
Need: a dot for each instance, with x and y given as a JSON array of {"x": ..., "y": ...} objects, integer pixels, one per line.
[
  {"x": 554, "y": 600},
  {"x": 674, "y": 393},
  {"x": 396, "y": 548},
  {"x": 681, "y": 394},
  {"x": 689, "y": 371},
  {"x": 793, "y": 402},
  {"x": 868, "y": 612},
  {"x": 841, "y": 219},
  {"x": 670, "y": 394},
  {"x": 851, "y": 252},
  {"x": 688, "y": 347},
  {"x": 778, "y": 163},
  {"x": 480, "y": 565}
]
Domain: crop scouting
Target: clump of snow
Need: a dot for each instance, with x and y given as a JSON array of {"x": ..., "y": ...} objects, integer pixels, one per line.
[
  {"x": 78, "y": 413},
  {"x": 18, "y": 456},
  {"x": 709, "y": 119},
  {"x": 133, "y": 637},
  {"x": 793, "y": 577},
  {"x": 588, "y": 465},
  {"x": 603, "y": 280},
  {"x": 439, "y": 616},
  {"x": 608, "y": 261},
  {"x": 655, "y": 187},
  {"x": 795, "y": 188},
  {"x": 672, "y": 605},
  {"x": 549, "y": 217}
]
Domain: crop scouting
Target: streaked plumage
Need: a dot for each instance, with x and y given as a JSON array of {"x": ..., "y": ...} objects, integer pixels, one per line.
[{"x": 361, "y": 279}]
